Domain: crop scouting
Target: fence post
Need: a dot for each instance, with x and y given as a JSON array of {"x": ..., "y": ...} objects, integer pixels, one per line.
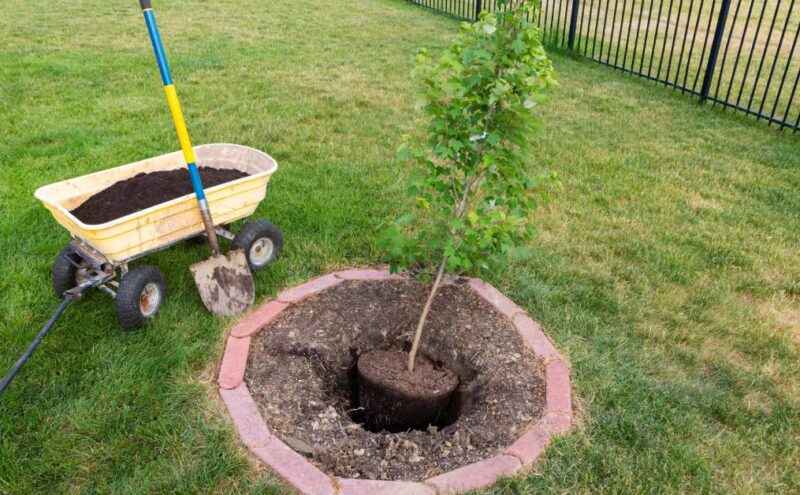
[
  {"x": 478, "y": 8},
  {"x": 714, "y": 53},
  {"x": 573, "y": 22}
]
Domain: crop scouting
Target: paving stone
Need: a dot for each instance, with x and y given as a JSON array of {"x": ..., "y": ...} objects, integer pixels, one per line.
[
  {"x": 368, "y": 274},
  {"x": 234, "y": 361},
  {"x": 534, "y": 338},
  {"x": 309, "y": 288},
  {"x": 350, "y": 486},
  {"x": 496, "y": 298},
  {"x": 294, "y": 469},
  {"x": 245, "y": 414},
  {"x": 478, "y": 475},
  {"x": 530, "y": 446},
  {"x": 258, "y": 319},
  {"x": 558, "y": 396}
]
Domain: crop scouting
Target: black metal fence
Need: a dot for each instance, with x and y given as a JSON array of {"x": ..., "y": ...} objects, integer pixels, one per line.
[{"x": 741, "y": 54}]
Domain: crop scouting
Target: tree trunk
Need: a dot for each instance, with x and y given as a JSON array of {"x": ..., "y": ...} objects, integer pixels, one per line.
[{"x": 418, "y": 334}]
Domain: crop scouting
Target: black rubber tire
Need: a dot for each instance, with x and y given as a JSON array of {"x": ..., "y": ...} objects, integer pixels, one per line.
[
  {"x": 129, "y": 312},
  {"x": 63, "y": 274},
  {"x": 252, "y": 232}
]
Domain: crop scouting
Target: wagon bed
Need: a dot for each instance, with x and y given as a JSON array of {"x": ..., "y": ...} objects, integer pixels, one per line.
[{"x": 131, "y": 236}]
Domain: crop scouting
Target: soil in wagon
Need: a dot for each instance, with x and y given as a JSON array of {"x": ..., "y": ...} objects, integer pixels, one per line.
[
  {"x": 145, "y": 190},
  {"x": 301, "y": 374}
]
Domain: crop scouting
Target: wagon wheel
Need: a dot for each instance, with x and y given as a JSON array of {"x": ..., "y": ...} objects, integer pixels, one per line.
[
  {"x": 69, "y": 271},
  {"x": 139, "y": 297},
  {"x": 261, "y": 241}
]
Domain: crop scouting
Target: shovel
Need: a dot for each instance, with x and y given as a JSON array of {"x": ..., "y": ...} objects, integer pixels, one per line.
[{"x": 225, "y": 283}]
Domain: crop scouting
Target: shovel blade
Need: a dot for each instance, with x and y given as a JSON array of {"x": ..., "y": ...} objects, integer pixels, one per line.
[{"x": 225, "y": 283}]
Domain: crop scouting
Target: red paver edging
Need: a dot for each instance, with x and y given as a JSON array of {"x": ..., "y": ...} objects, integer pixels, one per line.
[
  {"x": 495, "y": 298},
  {"x": 477, "y": 475},
  {"x": 294, "y": 469},
  {"x": 535, "y": 339},
  {"x": 253, "y": 431},
  {"x": 308, "y": 479},
  {"x": 530, "y": 446},
  {"x": 350, "y": 486},
  {"x": 234, "y": 362},
  {"x": 297, "y": 294},
  {"x": 368, "y": 274},
  {"x": 258, "y": 319}
]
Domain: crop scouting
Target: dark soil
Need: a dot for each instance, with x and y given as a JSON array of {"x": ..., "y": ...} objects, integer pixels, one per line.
[
  {"x": 301, "y": 373},
  {"x": 146, "y": 190},
  {"x": 396, "y": 399}
]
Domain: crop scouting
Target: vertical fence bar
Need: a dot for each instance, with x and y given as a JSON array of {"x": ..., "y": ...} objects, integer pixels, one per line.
[
  {"x": 646, "y": 34},
  {"x": 621, "y": 30},
  {"x": 725, "y": 53},
  {"x": 666, "y": 37},
  {"x": 539, "y": 16},
  {"x": 636, "y": 41},
  {"x": 791, "y": 97},
  {"x": 739, "y": 51},
  {"x": 775, "y": 61},
  {"x": 573, "y": 21},
  {"x": 596, "y": 23},
  {"x": 611, "y": 36},
  {"x": 580, "y": 26},
  {"x": 764, "y": 57},
  {"x": 715, "y": 44},
  {"x": 478, "y": 8},
  {"x": 655, "y": 39},
  {"x": 628, "y": 36},
  {"x": 752, "y": 50},
  {"x": 683, "y": 43},
  {"x": 705, "y": 43},
  {"x": 603, "y": 36},
  {"x": 786, "y": 69},
  {"x": 674, "y": 39}
]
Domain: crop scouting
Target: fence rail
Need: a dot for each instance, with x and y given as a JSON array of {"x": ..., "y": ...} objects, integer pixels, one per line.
[{"x": 740, "y": 54}]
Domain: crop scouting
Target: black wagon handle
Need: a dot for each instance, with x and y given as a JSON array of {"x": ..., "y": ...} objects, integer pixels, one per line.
[{"x": 32, "y": 347}]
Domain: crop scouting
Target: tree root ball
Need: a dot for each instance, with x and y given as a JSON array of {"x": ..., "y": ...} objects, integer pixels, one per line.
[{"x": 395, "y": 399}]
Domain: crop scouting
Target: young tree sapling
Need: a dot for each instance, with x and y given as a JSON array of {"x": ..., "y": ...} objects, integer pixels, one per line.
[{"x": 472, "y": 179}]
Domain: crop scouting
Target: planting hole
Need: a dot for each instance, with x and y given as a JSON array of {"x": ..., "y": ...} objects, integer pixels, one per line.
[{"x": 302, "y": 374}]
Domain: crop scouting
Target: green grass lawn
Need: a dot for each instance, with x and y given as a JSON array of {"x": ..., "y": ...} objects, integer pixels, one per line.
[{"x": 667, "y": 271}]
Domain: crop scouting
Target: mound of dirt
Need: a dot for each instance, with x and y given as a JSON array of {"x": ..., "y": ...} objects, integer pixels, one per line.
[
  {"x": 301, "y": 373},
  {"x": 145, "y": 190}
]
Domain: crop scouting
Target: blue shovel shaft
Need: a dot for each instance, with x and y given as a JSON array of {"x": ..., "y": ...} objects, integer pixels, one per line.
[{"x": 180, "y": 123}]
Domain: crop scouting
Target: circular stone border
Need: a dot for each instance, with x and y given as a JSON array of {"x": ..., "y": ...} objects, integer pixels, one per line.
[{"x": 298, "y": 472}]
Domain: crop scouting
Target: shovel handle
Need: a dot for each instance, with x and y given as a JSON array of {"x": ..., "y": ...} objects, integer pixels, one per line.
[{"x": 180, "y": 123}]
